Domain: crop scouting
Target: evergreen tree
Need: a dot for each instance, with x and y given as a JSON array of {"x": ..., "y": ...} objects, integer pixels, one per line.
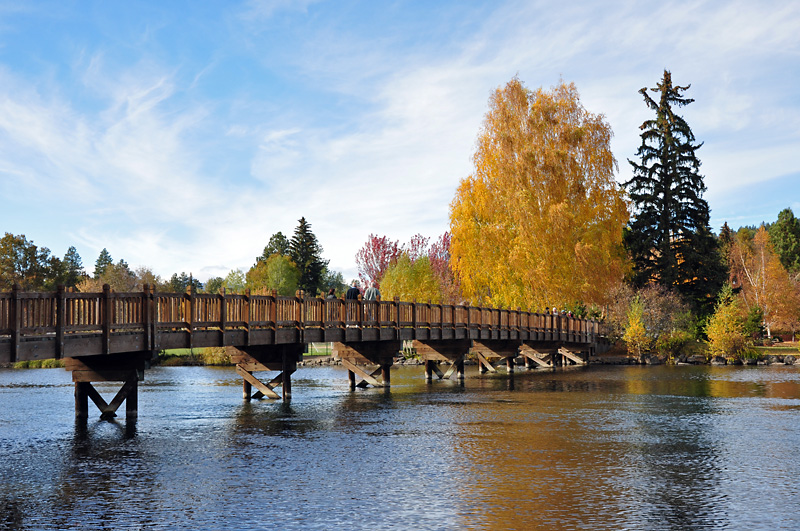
[
  {"x": 785, "y": 237},
  {"x": 103, "y": 261},
  {"x": 178, "y": 283},
  {"x": 669, "y": 240},
  {"x": 306, "y": 253},
  {"x": 73, "y": 268},
  {"x": 278, "y": 244}
]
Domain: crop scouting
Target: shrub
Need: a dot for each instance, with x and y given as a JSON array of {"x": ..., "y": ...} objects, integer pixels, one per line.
[
  {"x": 725, "y": 328},
  {"x": 215, "y": 356}
]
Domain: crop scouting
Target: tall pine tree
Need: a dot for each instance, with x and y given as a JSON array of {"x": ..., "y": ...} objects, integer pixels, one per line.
[
  {"x": 670, "y": 240},
  {"x": 306, "y": 253}
]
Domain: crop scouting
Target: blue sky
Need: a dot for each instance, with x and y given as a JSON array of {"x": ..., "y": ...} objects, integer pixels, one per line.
[{"x": 181, "y": 135}]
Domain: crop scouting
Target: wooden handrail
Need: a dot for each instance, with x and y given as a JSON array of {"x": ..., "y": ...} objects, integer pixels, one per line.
[{"x": 61, "y": 313}]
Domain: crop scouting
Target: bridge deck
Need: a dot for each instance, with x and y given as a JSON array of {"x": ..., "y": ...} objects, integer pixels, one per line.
[{"x": 62, "y": 324}]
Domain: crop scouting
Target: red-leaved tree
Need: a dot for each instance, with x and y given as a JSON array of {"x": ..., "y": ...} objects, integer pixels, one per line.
[{"x": 377, "y": 254}]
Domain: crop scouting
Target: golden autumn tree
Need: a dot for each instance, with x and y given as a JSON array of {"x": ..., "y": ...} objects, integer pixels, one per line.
[
  {"x": 539, "y": 221},
  {"x": 764, "y": 282}
]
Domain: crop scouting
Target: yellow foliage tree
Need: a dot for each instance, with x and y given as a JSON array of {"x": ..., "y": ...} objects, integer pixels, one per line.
[
  {"x": 725, "y": 328},
  {"x": 539, "y": 221},
  {"x": 764, "y": 282},
  {"x": 636, "y": 337},
  {"x": 411, "y": 280}
]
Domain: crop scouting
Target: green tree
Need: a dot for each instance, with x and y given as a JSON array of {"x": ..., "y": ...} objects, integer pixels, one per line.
[
  {"x": 118, "y": 276},
  {"x": 306, "y": 253},
  {"x": 332, "y": 280},
  {"x": 214, "y": 284},
  {"x": 23, "y": 263},
  {"x": 103, "y": 261},
  {"x": 669, "y": 239},
  {"x": 234, "y": 281},
  {"x": 277, "y": 272},
  {"x": 72, "y": 271},
  {"x": 278, "y": 244},
  {"x": 785, "y": 237},
  {"x": 178, "y": 283}
]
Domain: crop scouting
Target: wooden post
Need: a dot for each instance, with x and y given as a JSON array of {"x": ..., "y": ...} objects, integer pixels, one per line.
[
  {"x": 16, "y": 321},
  {"x": 386, "y": 374},
  {"x": 286, "y": 370},
  {"x": 428, "y": 370},
  {"x": 147, "y": 317},
  {"x": 273, "y": 311},
  {"x": 106, "y": 319},
  {"x": 82, "y": 400},
  {"x": 510, "y": 365},
  {"x": 60, "y": 314},
  {"x": 248, "y": 316},
  {"x": 222, "y": 317},
  {"x": 351, "y": 376},
  {"x": 460, "y": 368},
  {"x": 189, "y": 297},
  {"x": 132, "y": 402},
  {"x": 247, "y": 389}
]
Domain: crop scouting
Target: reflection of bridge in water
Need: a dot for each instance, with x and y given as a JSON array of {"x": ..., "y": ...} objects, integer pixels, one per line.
[{"x": 112, "y": 336}]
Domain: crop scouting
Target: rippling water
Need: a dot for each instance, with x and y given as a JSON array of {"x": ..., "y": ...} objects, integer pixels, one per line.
[{"x": 679, "y": 448}]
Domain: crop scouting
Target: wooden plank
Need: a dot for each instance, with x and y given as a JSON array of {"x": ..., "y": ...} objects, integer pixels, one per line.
[
  {"x": 484, "y": 362},
  {"x": 536, "y": 359},
  {"x": 121, "y": 395},
  {"x": 453, "y": 367},
  {"x": 569, "y": 355},
  {"x": 360, "y": 372},
  {"x": 106, "y": 376},
  {"x": 536, "y": 356},
  {"x": 252, "y": 380}
]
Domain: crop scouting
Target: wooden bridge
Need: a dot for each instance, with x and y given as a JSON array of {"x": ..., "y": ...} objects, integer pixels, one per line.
[{"x": 112, "y": 336}]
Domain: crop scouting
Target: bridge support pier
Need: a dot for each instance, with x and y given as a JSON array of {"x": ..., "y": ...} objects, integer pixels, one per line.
[
  {"x": 356, "y": 355},
  {"x": 535, "y": 358},
  {"x": 570, "y": 356},
  {"x": 448, "y": 351},
  {"x": 491, "y": 352},
  {"x": 281, "y": 358},
  {"x": 127, "y": 368}
]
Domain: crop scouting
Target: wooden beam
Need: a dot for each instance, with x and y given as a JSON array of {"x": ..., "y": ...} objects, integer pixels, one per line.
[
  {"x": 534, "y": 355},
  {"x": 456, "y": 364},
  {"x": 483, "y": 362},
  {"x": 368, "y": 378},
  {"x": 571, "y": 356},
  {"x": 264, "y": 389}
]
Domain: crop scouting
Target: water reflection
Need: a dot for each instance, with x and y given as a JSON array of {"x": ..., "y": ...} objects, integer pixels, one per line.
[{"x": 596, "y": 448}]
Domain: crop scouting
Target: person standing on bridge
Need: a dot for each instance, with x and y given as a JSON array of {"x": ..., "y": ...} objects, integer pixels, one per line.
[
  {"x": 372, "y": 293},
  {"x": 353, "y": 293}
]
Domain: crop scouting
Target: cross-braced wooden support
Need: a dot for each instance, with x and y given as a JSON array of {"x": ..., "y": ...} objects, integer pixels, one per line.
[
  {"x": 126, "y": 368},
  {"x": 534, "y": 358},
  {"x": 355, "y": 355},
  {"x": 434, "y": 352},
  {"x": 568, "y": 356},
  {"x": 491, "y": 352},
  {"x": 281, "y": 358}
]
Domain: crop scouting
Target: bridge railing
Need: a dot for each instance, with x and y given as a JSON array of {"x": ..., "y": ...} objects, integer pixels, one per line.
[{"x": 63, "y": 313}]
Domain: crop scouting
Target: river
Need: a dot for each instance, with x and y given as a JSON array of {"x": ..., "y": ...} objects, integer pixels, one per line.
[{"x": 679, "y": 448}]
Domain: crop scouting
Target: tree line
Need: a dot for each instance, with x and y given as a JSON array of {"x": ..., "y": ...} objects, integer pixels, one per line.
[{"x": 286, "y": 265}]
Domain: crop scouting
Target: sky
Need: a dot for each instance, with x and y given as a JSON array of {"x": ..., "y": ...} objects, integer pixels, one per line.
[{"x": 182, "y": 135}]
